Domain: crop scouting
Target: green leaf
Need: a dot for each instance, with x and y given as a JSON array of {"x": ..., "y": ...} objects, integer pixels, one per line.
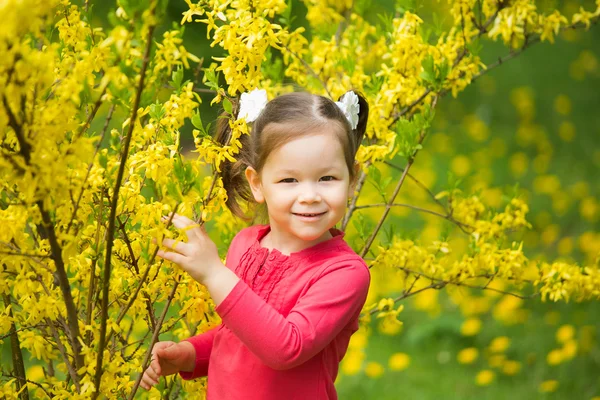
[
  {"x": 474, "y": 47},
  {"x": 157, "y": 111},
  {"x": 286, "y": 16},
  {"x": 428, "y": 73},
  {"x": 173, "y": 190},
  {"x": 197, "y": 122},
  {"x": 227, "y": 106},
  {"x": 103, "y": 159},
  {"x": 375, "y": 174},
  {"x": 211, "y": 78},
  {"x": 177, "y": 78}
]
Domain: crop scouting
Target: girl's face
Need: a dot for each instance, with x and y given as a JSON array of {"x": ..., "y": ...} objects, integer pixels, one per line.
[{"x": 305, "y": 184}]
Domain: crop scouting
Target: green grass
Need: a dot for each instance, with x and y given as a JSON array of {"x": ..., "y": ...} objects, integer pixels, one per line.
[{"x": 435, "y": 374}]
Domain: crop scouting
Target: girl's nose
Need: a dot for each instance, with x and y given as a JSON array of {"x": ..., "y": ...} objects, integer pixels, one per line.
[{"x": 309, "y": 195}]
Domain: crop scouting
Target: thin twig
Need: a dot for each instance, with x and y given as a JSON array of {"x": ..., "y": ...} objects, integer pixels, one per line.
[
  {"x": 388, "y": 207},
  {"x": 104, "y": 129},
  {"x": 146, "y": 361},
  {"x": 310, "y": 70},
  {"x": 361, "y": 181},
  {"x": 424, "y": 210},
  {"x": 47, "y": 226},
  {"x": 17, "y": 356},
  {"x": 113, "y": 210}
]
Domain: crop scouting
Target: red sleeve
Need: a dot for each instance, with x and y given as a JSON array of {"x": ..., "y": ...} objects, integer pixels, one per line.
[
  {"x": 203, "y": 343},
  {"x": 318, "y": 317}
]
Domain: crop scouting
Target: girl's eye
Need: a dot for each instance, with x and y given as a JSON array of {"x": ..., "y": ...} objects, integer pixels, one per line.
[
  {"x": 328, "y": 178},
  {"x": 288, "y": 180}
]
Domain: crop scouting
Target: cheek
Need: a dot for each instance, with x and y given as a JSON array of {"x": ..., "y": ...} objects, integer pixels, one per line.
[{"x": 338, "y": 195}]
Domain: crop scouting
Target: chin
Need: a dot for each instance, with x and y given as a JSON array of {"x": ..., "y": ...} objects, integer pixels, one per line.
[{"x": 308, "y": 237}]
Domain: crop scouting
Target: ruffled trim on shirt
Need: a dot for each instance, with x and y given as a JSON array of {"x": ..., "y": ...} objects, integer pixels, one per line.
[{"x": 256, "y": 255}]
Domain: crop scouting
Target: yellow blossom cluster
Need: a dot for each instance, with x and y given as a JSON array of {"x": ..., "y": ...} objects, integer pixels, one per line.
[{"x": 243, "y": 28}]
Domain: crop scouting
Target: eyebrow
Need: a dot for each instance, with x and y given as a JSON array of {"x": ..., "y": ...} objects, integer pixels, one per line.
[{"x": 295, "y": 171}]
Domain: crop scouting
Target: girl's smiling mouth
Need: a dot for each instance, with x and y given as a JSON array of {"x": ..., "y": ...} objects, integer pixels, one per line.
[{"x": 309, "y": 216}]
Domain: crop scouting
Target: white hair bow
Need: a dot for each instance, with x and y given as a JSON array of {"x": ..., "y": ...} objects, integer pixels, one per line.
[
  {"x": 350, "y": 107},
  {"x": 252, "y": 103}
]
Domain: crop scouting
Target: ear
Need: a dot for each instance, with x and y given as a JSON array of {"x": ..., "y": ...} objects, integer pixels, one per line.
[
  {"x": 255, "y": 184},
  {"x": 355, "y": 180}
]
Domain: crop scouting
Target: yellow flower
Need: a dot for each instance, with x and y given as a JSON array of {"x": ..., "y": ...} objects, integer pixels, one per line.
[
  {"x": 566, "y": 131},
  {"x": 471, "y": 327},
  {"x": 468, "y": 355},
  {"x": 499, "y": 344},
  {"x": 518, "y": 163},
  {"x": 374, "y": 370},
  {"x": 589, "y": 208},
  {"x": 565, "y": 333},
  {"x": 485, "y": 377},
  {"x": 555, "y": 357},
  {"x": 562, "y": 104},
  {"x": 461, "y": 165},
  {"x": 399, "y": 361},
  {"x": 569, "y": 349},
  {"x": 548, "y": 386},
  {"x": 352, "y": 362},
  {"x": 511, "y": 367},
  {"x": 476, "y": 128},
  {"x": 497, "y": 360},
  {"x": 565, "y": 246}
]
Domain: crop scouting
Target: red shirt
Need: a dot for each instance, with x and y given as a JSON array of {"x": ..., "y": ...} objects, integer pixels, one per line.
[{"x": 286, "y": 324}]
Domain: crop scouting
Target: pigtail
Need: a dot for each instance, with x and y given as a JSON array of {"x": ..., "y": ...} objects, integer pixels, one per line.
[{"x": 233, "y": 173}]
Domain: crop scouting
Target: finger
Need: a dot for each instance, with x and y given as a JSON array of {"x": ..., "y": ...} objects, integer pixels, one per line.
[
  {"x": 187, "y": 225},
  {"x": 149, "y": 382},
  {"x": 152, "y": 374},
  {"x": 171, "y": 256},
  {"x": 177, "y": 245},
  {"x": 155, "y": 366}
]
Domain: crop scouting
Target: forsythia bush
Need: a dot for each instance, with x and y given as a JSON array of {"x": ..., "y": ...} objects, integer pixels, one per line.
[{"x": 90, "y": 160}]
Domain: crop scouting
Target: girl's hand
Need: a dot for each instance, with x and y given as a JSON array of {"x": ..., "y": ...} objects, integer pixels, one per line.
[
  {"x": 199, "y": 256},
  {"x": 168, "y": 358}
]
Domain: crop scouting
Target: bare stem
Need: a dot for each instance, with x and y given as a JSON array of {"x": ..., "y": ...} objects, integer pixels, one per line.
[
  {"x": 47, "y": 227},
  {"x": 361, "y": 182},
  {"x": 17, "y": 356},
  {"x": 146, "y": 361},
  {"x": 113, "y": 212},
  {"x": 388, "y": 207}
]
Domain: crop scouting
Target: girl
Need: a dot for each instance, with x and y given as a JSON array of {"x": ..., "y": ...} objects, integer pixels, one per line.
[{"x": 291, "y": 291}]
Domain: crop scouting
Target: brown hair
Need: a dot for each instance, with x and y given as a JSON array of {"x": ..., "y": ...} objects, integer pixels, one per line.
[{"x": 284, "y": 118}]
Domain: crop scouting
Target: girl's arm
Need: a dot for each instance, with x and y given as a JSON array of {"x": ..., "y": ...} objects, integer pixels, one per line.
[
  {"x": 202, "y": 344},
  {"x": 332, "y": 301}
]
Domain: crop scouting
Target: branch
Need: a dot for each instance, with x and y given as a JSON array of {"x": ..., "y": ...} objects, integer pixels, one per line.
[
  {"x": 17, "y": 356},
  {"x": 447, "y": 217},
  {"x": 419, "y": 183},
  {"x": 388, "y": 207},
  {"x": 309, "y": 69},
  {"x": 47, "y": 227},
  {"x": 88, "y": 122},
  {"x": 440, "y": 283},
  {"x": 113, "y": 211},
  {"x": 65, "y": 356},
  {"x": 361, "y": 182},
  {"x": 146, "y": 361},
  {"x": 135, "y": 266},
  {"x": 104, "y": 129}
]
